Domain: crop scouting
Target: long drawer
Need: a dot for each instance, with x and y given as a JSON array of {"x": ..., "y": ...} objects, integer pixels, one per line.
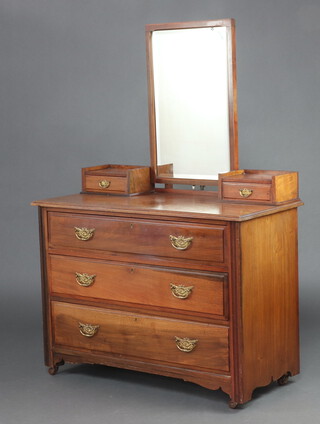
[
  {"x": 204, "y": 293},
  {"x": 174, "y": 240},
  {"x": 181, "y": 343}
]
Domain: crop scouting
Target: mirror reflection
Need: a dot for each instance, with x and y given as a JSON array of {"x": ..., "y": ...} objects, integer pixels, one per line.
[{"x": 190, "y": 76}]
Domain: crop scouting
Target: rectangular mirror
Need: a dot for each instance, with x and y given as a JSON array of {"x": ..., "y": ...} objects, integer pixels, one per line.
[{"x": 192, "y": 101}]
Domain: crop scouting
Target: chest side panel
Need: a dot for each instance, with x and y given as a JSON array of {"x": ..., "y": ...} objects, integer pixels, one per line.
[{"x": 269, "y": 299}]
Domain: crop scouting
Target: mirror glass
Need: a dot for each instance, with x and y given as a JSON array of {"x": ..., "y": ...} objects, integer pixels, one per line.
[{"x": 191, "y": 85}]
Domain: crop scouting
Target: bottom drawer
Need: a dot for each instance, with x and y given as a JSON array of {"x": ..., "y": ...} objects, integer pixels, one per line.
[{"x": 181, "y": 343}]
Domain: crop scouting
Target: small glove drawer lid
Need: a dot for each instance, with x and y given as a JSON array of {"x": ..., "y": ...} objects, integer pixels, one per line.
[
  {"x": 247, "y": 185},
  {"x": 250, "y": 191},
  {"x": 116, "y": 179}
]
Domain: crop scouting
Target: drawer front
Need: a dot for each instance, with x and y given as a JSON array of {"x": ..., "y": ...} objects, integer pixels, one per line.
[
  {"x": 183, "y": 241},
  {"x": 204, "y": 293},
  {"x": 134, "y": 335},
  {"x": 260, "y": 192},
  {"x": 105, "y": 184}
]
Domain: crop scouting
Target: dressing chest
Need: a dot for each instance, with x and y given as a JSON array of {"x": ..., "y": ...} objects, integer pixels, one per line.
[{"x": 174, "y": 282}]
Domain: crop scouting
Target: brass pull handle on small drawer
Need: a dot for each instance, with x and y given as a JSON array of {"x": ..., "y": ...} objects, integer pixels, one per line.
[
  {"x": 84, "y": 234},
  {"x": 185, "y": 344},
  {"x": 88, "y": 330},
  {"x": 85, "y": 280},
  {"x": 104, "y": 184},
  {"x": 181, "y": 292},
  {"x": 180, "y": 242},
  {"x": 245, "y": 192}
]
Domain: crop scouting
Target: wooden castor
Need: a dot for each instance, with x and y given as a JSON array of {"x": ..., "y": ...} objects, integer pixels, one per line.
[
  {"x": 283, "y": 379},
  {"x": 55, "y": 368},
  {"x": 232, "y": 404}
]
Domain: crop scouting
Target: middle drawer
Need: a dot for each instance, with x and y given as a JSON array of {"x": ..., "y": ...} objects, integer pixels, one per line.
[{"x": 199, "y": 292}]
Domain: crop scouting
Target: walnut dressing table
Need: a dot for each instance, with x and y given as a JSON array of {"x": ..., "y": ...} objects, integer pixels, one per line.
[
  {"x": 235, "y": 326},
  {"x": 179, "y": 283}
]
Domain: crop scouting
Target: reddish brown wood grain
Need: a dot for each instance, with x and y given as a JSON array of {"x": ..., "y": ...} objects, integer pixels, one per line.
[
  {"x": 135, "y": 335},
  {"x": 244, "y": 309},
  {"x": 210, "y": 380},
  {"x": 165, "y": 206},
  {"x": 117, "y": 184},
  {"x": 46, "y": 321},
  {"x": 140, "y": 237},
  {"x": 122, "y": 179},
  {"x": 141, "y": 285},
  {"x": 259, "y": 191},
  {"x": 269, "y": 288},
  {"x": 272, "y": 187},
  {"x": 286, "y": 187}
]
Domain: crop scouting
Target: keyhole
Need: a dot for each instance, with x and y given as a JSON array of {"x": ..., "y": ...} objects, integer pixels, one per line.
[{"x": 131, "y": 226}]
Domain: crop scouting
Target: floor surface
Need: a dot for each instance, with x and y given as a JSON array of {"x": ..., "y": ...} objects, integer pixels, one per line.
[{"x": 92, "y": 394}]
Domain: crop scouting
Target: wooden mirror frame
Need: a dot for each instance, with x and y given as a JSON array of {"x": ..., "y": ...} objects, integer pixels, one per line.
[{"x": 232, "y": 97}]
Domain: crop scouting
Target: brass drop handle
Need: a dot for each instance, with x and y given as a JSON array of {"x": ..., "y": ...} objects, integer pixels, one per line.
[
  {"x": 245, "y": 192},
  {"x": 88, "y": 330},
  {"x": 180, "y": 242},
  {"x": 104, "y": 184},
  {"x": 84, "y": 234},
  {"x": 85, "y": 280},
  {"x": 181, "y": 292},
  {"x": 185, "y": 344}
]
